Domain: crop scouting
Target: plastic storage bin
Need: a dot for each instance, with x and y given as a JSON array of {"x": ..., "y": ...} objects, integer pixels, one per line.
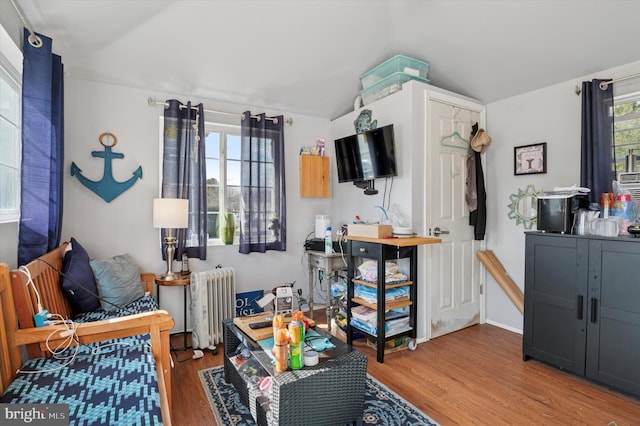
[
  {"x": 397, "y": 64},
  {"x": 387, "y": 86}
]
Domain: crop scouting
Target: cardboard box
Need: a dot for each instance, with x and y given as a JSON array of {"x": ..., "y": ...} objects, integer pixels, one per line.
[
  {"x": 370, "y": 231},
  {"x": 391, "y": 346}
]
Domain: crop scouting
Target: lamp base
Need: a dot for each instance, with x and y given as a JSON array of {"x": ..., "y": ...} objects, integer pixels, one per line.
[
  {"x": 169, "y": 250},
  {"x": 168, "y": 276}
]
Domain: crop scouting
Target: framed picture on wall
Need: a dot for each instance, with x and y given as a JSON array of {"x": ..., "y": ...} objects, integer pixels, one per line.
[{"x": 530, "y": 159}]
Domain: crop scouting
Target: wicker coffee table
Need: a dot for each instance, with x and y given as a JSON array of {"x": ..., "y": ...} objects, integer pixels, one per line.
[{"x": 329, "y": 393}]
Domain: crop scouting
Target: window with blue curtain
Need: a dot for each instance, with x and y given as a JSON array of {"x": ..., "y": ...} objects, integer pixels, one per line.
[
  {"x": 42, "y": 148},
  {"x": 184, "y": 173},
  {"x": 596, "y": 164},
  {"x": 263, "y": 207}
]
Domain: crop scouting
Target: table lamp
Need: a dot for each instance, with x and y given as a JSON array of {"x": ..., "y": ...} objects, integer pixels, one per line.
[{"x": 170, "y": 213}]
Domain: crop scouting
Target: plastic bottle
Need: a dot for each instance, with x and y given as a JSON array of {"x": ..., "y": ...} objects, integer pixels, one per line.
[
  {"x": 277, "y": 324},
  {"x": 328, "y": 242},
  {"x": 296, "y": 344},
  {"x": 281, "y": 345}
]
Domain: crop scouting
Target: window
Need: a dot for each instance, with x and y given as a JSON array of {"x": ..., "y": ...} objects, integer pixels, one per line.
[
  {"x": 626, "y": 130},
  {"x": 261, "y": 189},
  {"x": 10, "y": 133},
  {"x": 263, "y": 211},
  {"x": 222, "y": 149}
]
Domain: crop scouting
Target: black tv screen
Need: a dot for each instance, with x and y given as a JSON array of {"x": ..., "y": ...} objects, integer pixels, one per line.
[{"x": 366, "y": 156}]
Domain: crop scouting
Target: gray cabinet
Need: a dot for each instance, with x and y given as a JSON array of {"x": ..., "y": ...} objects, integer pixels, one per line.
[
  {"x": 555, "y": 288},
  {"x": 582, "y": 306}
]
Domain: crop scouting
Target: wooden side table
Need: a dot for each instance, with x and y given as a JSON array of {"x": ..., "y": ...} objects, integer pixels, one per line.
[{"x": 184, "y": 281}]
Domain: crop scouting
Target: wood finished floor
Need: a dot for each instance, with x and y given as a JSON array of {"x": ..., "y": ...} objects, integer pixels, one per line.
[{"x": 474, "y": 376}]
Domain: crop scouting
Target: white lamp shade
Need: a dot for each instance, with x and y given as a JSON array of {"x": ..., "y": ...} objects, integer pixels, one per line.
[{"x": 170, "y": 213}]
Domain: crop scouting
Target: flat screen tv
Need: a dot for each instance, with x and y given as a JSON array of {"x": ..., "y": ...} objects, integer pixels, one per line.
[{"x": 366, "y": 156}]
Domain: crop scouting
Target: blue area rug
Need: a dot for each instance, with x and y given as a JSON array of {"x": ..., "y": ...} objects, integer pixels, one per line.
[{"x": 382, "y": 406}]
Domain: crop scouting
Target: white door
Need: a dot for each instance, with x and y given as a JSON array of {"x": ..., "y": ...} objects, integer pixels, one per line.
[{"x": 453, "y": 271}]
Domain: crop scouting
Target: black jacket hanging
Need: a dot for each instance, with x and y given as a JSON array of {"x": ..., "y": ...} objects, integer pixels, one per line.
[{"x": 478, "y": 217}]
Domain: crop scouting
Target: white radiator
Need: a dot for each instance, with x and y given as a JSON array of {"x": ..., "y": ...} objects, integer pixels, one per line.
[{"x": 213, "y": 299}]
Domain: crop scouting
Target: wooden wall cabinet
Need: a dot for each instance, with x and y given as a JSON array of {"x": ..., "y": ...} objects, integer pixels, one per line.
[
  {"x": 582, "y": 306},
  {"x": 314, "y": 176}
]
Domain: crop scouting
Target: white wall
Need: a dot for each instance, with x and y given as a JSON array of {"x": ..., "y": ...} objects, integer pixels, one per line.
[
  {"x": 551, "y": 115},
  {"x": 124, "y": 224},
  {"x": 9, "y": 246},
  {"x": 348, "y": 200}
]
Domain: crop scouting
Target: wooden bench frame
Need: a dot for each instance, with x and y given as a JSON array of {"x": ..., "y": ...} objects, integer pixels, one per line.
[{"x": 18, "y": 300}]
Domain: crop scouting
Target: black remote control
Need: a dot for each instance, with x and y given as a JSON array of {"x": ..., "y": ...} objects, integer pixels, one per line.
[{"x": 261, "y": 324}]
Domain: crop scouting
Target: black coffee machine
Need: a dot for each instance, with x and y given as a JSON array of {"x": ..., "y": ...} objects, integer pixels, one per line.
[{"x": 556, "y": 210}]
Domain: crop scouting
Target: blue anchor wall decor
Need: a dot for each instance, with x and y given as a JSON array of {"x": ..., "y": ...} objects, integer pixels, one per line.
[{"x": 107, "y": 187}]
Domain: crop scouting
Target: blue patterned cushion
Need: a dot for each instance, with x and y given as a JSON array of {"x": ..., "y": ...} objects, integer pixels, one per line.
[
  {"x": 118, "y": 281},
  {"x": 77, "y": 280},
  {"x": 109, "y": 382},
  {"x": 142, "y": 304},
  {"x": 115, "y": 386}
]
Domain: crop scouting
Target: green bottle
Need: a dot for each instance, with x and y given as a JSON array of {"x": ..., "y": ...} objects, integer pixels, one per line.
[
  {"x": 296, "y": 344},
  {"x": 227, "y": 228}
]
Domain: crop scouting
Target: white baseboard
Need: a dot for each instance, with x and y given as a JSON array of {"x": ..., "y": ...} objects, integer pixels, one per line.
[
  {"x": 494, "y": 323},
  {"x": 506, "y": 327}
]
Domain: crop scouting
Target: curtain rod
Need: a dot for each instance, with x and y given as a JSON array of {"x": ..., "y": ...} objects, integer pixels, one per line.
[
  {"x": 34, "y": 39},
  {"x": 604, "y": 84},
  {"x": 153, "y": 102}
]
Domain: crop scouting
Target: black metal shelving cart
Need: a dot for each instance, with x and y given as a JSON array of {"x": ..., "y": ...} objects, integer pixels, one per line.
[{"x": 382, "y": 250}]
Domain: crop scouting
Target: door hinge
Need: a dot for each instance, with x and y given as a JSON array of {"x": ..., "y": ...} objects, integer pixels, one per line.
[{"x": 481, "y": 288}]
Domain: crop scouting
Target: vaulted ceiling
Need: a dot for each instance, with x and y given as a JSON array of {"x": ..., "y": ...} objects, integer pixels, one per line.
[{"x": 306, "y": 56}]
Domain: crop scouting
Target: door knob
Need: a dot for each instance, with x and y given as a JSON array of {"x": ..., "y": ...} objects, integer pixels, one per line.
[{"x": 437, "y": 231}]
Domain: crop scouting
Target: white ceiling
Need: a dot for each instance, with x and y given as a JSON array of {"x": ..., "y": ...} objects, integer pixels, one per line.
[{"x": 306, "y": 56}]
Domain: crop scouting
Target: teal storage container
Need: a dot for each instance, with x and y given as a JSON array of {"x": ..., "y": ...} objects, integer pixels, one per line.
[
  {"x": 387, "y": 86},
  {"x": 397, "y": 64}
]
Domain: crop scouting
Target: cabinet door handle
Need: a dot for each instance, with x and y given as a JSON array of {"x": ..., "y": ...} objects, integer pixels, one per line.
[
  {"x": 363, "y": 250},
  {"x": 580, "y": 306},
  {"x": 594, "y": 310}
]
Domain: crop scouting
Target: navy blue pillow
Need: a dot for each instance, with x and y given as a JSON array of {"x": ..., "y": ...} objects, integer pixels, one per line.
[{"x": 77, "y": 282}]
